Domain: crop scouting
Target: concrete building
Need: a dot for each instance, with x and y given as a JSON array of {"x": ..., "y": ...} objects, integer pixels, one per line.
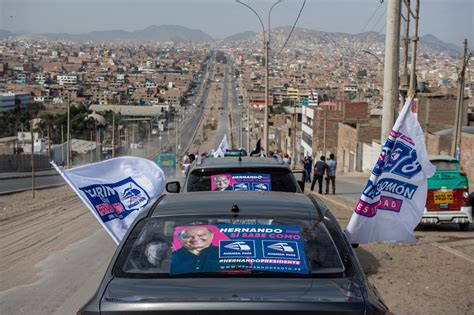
[{"x": 9, "y": 100}]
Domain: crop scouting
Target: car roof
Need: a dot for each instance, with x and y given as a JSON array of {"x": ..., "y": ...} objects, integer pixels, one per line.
[
  {"x": 443, "y": 158},
  {"x": 242, "y": 162},
  {"x": 221, "y": 203}
]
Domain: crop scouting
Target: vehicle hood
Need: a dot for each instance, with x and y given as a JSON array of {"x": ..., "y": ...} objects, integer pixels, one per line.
[{"x": 241, "y": 290}]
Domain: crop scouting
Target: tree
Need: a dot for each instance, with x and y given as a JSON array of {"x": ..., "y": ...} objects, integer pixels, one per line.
[{"x": 362, "y": 73}]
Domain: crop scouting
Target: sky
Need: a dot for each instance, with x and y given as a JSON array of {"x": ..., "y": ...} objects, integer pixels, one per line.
[{"x": 449, "y": 20}]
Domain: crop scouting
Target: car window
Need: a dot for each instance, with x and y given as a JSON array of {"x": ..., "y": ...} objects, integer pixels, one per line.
[
  {"x": 242, "y": 179},
  {"x": 445, "y": 165},
  {"x": 245, "y": 246}
]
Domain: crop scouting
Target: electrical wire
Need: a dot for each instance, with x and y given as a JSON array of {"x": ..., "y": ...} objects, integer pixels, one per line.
[
  {"x": 292, "y": 29},
  {"x": 367, "y": 24},
  {"x": 370, "y": 31}
]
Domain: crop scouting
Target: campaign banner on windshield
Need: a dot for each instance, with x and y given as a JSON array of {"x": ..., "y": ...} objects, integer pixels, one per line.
[
  {"x": 392, "y": 203},
  {"x": 241, "y": 182},
  {"x": 116, "y": 190},
  {"x": 230, "y": 247}
]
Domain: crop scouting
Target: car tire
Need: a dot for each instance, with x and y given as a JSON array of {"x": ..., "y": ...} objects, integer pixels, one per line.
[{"x": 464, "y": 227}]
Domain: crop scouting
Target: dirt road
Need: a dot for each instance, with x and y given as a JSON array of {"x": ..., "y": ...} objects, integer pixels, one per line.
[
  {"x": 433, "y": 276},
  {"x": 55, "y": 237}
]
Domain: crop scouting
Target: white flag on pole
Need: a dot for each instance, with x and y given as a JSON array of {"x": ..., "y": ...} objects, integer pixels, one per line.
[
  {"x": 223, "y": 147},
  {"x": 392, "y": 203},
  {"x": 116, "y": 190}
]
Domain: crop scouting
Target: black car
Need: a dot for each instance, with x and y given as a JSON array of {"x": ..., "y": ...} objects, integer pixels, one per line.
[
  {"x": 243, "y": 173},
  {"x": 235, "y": 253}
]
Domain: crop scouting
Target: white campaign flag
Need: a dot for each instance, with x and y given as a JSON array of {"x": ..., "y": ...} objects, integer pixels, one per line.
[
  {"x": 223, "y": 147},
  {"x": 392, "y": 203},
  {"x": 116, "y": 190}
]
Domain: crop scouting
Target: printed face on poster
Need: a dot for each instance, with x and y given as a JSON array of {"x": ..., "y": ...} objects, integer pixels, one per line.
[
  {"x": 241, "y": 182},
  {"x": 226, "y": 247}
]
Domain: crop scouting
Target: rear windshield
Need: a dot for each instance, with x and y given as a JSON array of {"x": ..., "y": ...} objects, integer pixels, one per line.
[
  {"x": 242, "y": 179},
  {"x": 446, "y": 165},
  {"x": 193, "y": 247}
]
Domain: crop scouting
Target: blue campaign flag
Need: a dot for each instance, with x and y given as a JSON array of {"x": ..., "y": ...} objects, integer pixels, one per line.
[{"x": 392, "y": 203}]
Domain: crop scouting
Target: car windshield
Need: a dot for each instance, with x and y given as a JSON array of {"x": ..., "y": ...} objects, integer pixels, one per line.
[
  {"x": 216, "y": 246},
  {"x": 262, "y": 179},
  {"x": 446, "y": 165}
]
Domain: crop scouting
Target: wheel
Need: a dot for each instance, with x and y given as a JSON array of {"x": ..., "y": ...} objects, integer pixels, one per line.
[{"x": 464, "y": 226}]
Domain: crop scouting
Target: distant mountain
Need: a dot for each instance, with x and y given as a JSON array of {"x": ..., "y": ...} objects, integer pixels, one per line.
[
  {"x": 240, "y": 36},
  {"x": 435, "y": 43},
  {"x": 152, "y": 33},
  {"x": 303, "y": 37}
]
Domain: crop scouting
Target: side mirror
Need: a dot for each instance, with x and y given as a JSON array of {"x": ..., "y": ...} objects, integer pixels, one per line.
[{"x": 173, "y": 187}]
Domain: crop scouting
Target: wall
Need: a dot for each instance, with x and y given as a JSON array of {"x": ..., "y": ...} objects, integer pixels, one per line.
[
  {"x": 346, "y": 145},
  {"x": 436, "y": 113},
  {"x": 22, "y": 162},
  {"x": 467, "y": 157},
  {"x": 366, "y": 133},
  {"x": 370, "y": 154}
]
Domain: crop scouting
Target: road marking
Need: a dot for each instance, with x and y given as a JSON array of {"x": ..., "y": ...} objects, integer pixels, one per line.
[{"x": 454, "y": 252}]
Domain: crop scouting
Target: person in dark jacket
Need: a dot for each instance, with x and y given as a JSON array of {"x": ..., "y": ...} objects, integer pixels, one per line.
[{"x": 320, "y": 168}]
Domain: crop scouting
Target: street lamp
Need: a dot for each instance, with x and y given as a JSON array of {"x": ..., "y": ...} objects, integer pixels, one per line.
[
  {"x": 374, "y": 55},
  {"x": 266, "y": 47}
]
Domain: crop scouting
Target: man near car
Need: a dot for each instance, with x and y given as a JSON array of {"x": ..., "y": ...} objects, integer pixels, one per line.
[
  {"x": 307, "y": 165},
  {"x": 319, "y": 169},
  {"x": 197, "y": 253},
  {"x": 331, "y": 174}
]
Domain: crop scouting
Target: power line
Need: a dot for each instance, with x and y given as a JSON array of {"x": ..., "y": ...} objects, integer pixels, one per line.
[
  {"x": 368, "y": 22},
  {"x": 292, "y": 29},
  {"x": 361, "y": 42}
]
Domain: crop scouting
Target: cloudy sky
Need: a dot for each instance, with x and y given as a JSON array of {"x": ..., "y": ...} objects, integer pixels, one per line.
[{"x": 449, "y": 20}]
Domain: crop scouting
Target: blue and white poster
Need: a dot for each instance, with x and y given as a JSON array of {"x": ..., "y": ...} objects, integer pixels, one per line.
[
  {"x": 226, "y": 247},
  {"x": 241, "y": 182}
]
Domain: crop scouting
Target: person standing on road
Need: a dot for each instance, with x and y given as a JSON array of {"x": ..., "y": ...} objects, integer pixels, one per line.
[
  {"x": 331, "y": 174},
  {"x": 307, "y": 166},
  {"x": 319, "y": 169}
]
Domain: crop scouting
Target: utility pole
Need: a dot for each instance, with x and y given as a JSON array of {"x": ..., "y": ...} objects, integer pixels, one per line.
[
  {"x": 414, "y": 48},
  {"x": 391, "y": 64},
  {"x": 92, "y": 148},
  {"x": 325, "y": 131},
  {"x": 248, "y": 124},
  {"x": 293, "y": 141},
  {"x": 456, "y": 144},
  {"x": 32, "y": 160},
  {"x": 265, "y": 121},
  {"x": 113, "y": 134},
  {"x": 176, "y": 133},
  {"x": 406, "y": 39},
  {"x": 62, "y": 144},
  {"x": 149, "y": 136},
  {"x": 68, "y": 132},
  {"x": 266, "y": 47}
]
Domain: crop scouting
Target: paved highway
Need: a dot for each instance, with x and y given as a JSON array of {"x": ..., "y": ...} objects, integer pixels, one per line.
[{"x": 24, "y": 183}]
